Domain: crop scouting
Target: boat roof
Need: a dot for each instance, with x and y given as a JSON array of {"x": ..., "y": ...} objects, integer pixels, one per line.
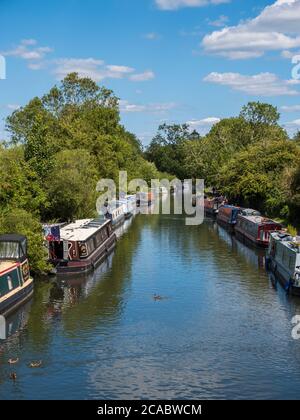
[
  {"x": 259, "y": 220},
  {"x": 12, "y": 237},
  {"x": 287, "y": 240},
  {"x": 7, "y": 265},
  {"x": 81, "y": 230},
  {"x": 113, "y": 205},
  {"x": 230, "y": 206}
]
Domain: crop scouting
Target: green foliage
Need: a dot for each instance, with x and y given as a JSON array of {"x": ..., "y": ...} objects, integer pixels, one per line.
[
  {"x": 167, "y": 148},
  {"x": 19, "y": 184},
  {"x": 292, "y": 230},
  {"x": 71, "y": 186},
  {"x": 253, "y": 176},
  {"x": 297, "y": 137},
  {"x": 258, "y": 113}
]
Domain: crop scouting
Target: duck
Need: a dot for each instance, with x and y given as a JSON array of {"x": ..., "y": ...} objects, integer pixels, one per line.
[
  {"x": 13, "y": 376},
  {"x": 35, "y": 364},
  {"x": 13, "y": 361},
  {"x": 157, "y": 297}
]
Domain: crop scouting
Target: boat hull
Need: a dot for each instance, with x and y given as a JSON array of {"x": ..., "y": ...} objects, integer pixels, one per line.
[
  {"x": 87, "y": 265},
  {"x": 230, "y": 227},
  {"x": 282, "y": 276},
  {"x": 246, "y": 238},
  {"x": 16, "y": 299}
]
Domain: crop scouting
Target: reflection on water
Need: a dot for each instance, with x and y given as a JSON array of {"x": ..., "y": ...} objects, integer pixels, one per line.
[{"x": 223, "y": 331}]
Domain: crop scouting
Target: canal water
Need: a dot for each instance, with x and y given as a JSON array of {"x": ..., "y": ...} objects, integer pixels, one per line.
[{"x": 221, "y": 329}]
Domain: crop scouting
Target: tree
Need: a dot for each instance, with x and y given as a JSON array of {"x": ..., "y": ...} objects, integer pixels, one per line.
[
  {"x": 257, "y": 113},
  {"x": 19, "y": 183},
  {"x": 71, "y": 186},
  {"x": 253, "y": 177},
  {"x": 167, "y": 148},
  {"x": 297, "y": 137}
]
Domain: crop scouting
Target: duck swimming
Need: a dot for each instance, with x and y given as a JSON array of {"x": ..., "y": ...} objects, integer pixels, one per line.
[
  {"x": 35, "y": 364},
  {"x": 13, "y": 376},
  {"x": 13, "y": 361}
]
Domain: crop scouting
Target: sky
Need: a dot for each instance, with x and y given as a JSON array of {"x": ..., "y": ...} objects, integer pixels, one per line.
[{"x": 173, "y": 61}]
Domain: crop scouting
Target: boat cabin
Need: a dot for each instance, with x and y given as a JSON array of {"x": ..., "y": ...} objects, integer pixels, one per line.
[
  {"x": 115, "y": 211},
  {"x": 14, "y": 270}
]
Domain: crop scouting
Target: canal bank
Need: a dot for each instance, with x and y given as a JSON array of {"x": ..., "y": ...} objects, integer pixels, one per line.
[{"x": 220, "y": 331}]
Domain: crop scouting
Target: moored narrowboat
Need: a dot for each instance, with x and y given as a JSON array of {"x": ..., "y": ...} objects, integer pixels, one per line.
[
  {"x": 16, "y": 284},
  {"x": 145, "y": 198},
  {"x": 212, "y": 205},
  {"x": 227, "y": 216},
  {"x": 283, "y": 260},
  {"x": 81, "y": 246},
  {"x": 130, "y": 204},
  {"x": 253, "y": 227},
  {"x": 115, "y": 212}
]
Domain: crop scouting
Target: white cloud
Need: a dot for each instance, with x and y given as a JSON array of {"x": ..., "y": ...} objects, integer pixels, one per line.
[
  {"x": 88, "y": 67},
  {"x": 275, "y": 28},
  {"x": 205, "y": 122},
  {"x": 292, "y": 127},
  {"x": 263, "y": 84},
  {"x": 152, "y": 36},
  {"x": 142, "y": 77},
  {"x": 158, "y": 108},
  {"x": 96, "y": 69},
  {"x": 221, "y": 21},
  {"x": 120, "y": 69},
  {"x": 291, "y": 108},
  {"x": 177, "y": 4},
  {"x": 12, "y": 107},
  {"x": 28, "y": 50}
]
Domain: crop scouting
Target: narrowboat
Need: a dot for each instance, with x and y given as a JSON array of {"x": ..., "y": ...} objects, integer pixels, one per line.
[
  {"x": 212, "y": 205},
  {"x": 253, "y": 227},
  {"x": 130, "y": 204},
  {"x": 79, "y": 247},
  {"x": 115, "y": 212},
  {"x": 146, "y": 198},
  {"x": 227, "y": 216},
  {"x": 283, "y": 259},
  {"x": 16, "y": 284}
]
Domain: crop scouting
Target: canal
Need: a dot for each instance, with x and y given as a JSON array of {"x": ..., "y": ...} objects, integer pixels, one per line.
[{"x": 221, "y": 329}]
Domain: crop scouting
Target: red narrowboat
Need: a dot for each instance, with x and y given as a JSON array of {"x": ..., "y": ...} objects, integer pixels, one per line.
[
  {"x": 252, "y": 226},
  {"x": 227, "y": 216},
  {"x": 77, "y": 248},
  {"x": 212, "y": 205}
]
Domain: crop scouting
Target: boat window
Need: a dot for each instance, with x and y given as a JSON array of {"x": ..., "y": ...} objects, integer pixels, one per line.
[
  {"x": 9, "y": 250},
  {"x": 292, "y": 263},
  {"x": 9, "y": 283}
]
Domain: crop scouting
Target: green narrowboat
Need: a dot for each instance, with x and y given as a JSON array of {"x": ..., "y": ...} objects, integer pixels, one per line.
[{"x": 16, "y": 284}]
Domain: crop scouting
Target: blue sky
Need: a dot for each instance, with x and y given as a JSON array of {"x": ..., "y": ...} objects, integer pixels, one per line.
[{"x": 167, "y": 60}]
